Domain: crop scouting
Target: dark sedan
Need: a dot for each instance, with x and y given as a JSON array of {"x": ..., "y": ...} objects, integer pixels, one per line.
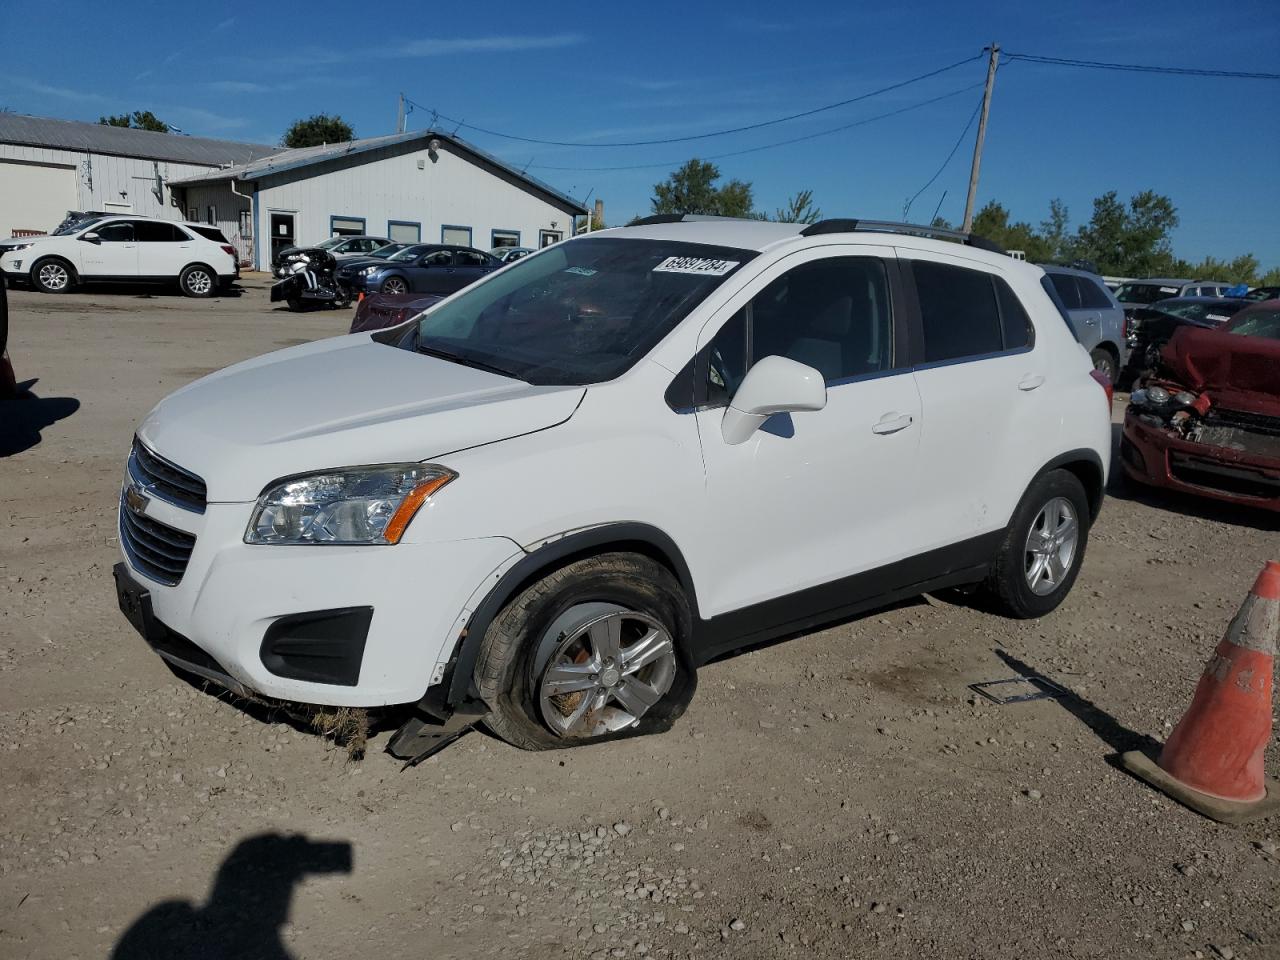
[{"x": 423, "y": 268}]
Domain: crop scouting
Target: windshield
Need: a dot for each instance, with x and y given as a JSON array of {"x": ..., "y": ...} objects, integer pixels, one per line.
[
  {"x": 1219, "y": 312},
  {"x": 329, "y": 244},
  {"x": 409, "y": 253},
  {"x": 576, "y": 313},
  {"x": 75, "y": 226},
  {"x": 1145, "y": 292},
  {"x": 1257, "y": 323},
  {"x": 382, "y": 253},
  {"x": 1263, "y": 293}
]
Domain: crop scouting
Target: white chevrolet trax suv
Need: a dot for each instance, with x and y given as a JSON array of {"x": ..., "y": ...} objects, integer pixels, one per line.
[{"x": 546, "y": 500}]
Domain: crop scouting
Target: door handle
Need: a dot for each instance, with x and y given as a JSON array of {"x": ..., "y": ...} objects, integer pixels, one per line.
[
  {"x": 892, "y": 423},
  {"x": 1092, "y": 321},
  {"x": 1030, "y": 382}
]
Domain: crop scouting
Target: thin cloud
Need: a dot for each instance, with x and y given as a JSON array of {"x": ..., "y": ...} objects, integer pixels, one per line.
[
  {"x": 64, "y": 92},
  {"x": 427, "y": 47},
  {"x": 226, "y": 24},
  {"x": 242, "y": 86},
  {"x": 203, "y": 118}
]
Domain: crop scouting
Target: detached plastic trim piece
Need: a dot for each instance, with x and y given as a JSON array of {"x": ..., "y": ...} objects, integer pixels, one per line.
[{"x": 323, "y": 646}]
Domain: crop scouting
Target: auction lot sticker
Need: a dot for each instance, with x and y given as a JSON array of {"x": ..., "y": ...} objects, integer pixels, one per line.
[{"x": 697, "y": 265}]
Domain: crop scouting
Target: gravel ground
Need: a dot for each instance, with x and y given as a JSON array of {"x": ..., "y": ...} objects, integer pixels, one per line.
[{"x": 842, "y": 794}]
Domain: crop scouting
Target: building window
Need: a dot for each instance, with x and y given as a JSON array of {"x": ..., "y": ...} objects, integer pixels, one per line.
[
  {"x": 458, "y": 236},
  {"x": 193, "y": 214},
  {"x": 504, "y": 238},
  {"x": 212, "y": 218},
  {"x": 346, "y": 226},
  {"x": 547, "y": 237},
  {"x": 404, "y": 231},
  {"x": 246, "y": 224}
]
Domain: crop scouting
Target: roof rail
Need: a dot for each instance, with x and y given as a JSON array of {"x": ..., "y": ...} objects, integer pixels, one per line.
[
  {"x": 849, "y": 225},
  {"x": 679, "y": 218}
]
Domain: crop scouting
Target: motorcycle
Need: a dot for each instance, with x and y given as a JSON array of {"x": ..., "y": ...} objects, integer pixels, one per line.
[{"x": 309, "y": 281}]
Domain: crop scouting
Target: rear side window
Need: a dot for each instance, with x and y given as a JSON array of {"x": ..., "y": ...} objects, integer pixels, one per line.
[
  {"x": 1014, "y": 322},
  {"x": 210, "y": 233},
  {"x": 1068, "y": 292},
  {"x": 959, "y": 311},
  {"x": 1092, "y": 296},
  {"x": 1052, "y": 292},
  {"x": 468, "y": 258},
  {"x": 157, "y": 231}
]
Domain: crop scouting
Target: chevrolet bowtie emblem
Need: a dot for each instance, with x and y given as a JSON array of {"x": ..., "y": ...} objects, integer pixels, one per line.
[{"x": 135, "y": 499}]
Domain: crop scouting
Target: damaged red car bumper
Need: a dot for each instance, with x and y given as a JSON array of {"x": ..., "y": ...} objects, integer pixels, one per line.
[
  {"x": 1209, "y": 423},
  {"x": 1160, "y": 457}
]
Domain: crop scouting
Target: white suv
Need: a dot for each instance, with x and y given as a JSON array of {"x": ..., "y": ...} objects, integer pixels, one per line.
[
  {"x": 196, "y": 257},
  {"x": 550, "y": 497}
]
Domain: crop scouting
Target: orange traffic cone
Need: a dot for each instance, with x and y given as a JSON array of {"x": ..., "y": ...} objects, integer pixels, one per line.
[{"x": 1213, "y": 761}]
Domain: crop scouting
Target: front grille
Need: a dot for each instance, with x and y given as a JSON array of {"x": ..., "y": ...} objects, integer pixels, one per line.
[
  {"x": 156, "y": 550},
  {"x": 1253, "y": 422},
  {"x": 1240, "y": 481},
  {"x": 166, "y": 480}
]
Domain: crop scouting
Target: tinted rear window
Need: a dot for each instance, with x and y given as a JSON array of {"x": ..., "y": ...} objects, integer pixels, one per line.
[
  {"x": 1068, "y": 292},
  {"x": 959, "y": 311},
  {"x": 209, "y": 233},
  {"x": 1092, "y": 296}
]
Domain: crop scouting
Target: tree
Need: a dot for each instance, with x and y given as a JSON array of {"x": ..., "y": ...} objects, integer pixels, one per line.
[
  {"x": 992, "y": 222},
  {"x": 1243, "y": 269},
  {"x": 1054, "y": 231},
  {"x": 799, "y": 209},
  {"x": 692, "y": 189},
  {"x": 138, "y": 120},
  {"x": 1132, "y": 241},
  {"x": 317, "y": 130}
]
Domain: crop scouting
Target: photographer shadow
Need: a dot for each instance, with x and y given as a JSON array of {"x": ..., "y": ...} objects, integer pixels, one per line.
[{"x": 247, "y": 908}]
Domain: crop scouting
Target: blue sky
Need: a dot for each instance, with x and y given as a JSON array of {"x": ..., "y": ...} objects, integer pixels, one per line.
[{"x": 606, "y": 72}]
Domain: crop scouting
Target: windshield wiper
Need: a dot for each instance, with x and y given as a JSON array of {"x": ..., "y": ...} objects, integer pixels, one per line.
[{"x": 466, "y": 361}]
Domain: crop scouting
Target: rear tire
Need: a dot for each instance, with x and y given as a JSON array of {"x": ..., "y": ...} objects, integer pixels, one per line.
[
  {"x": 543, "y": 636},
  {"x": 198, "y": 281},
  {"x": 1104, "y": 362},
  {"x": 1043, "y": 547},
  {"x": 52, "y": 275}
]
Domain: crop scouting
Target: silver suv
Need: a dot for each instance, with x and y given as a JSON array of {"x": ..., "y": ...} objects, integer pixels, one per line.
[{"x": 1096, "y": 317}]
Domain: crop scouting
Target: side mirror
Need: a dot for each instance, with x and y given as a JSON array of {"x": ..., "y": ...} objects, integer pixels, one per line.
[
  {"x": 774, "y": 385},
  {"x": 90, "y": 237}
]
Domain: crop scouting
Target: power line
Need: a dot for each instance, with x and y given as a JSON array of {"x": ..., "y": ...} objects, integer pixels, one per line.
[
  {"x": 770, "y": 146},
  {"x": 959, "y": 140},
  {"x": 703, "y": 136},
  {"x": 1142, "y": 68}
]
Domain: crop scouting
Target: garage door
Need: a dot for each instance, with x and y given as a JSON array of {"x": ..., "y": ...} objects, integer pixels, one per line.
[{"x": 34, "y": 196}]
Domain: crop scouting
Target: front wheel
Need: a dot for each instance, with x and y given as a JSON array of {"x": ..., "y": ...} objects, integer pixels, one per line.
[
  {"x": 394, "y": 285},
  {"x": 52, "y": 276},
  {"x": 1043, "y": 547},
  {"x": 592, "y": 652},
  {"x": 198, "y": 281}
]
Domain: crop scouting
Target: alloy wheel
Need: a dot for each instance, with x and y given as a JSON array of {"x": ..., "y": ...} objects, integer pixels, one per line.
[
  {"x": 54, "y": 276},
  {"x": 393, "y": 285},
  {"x": 1051, "y": 546},
  {"x": 199, "y": 282},
  {"x": 605, "y": 673}
]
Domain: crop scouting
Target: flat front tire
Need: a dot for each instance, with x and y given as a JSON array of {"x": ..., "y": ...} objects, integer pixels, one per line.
[
  {"x": 593, "y": 651},
  {"x": 1044, "y": 546}
]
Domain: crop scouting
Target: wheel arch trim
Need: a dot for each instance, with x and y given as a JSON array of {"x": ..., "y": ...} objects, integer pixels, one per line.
[{"x": 633, "y": 537}]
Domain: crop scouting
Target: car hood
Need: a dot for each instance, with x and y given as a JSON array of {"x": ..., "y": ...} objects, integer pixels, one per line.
[
  {"x": 340, "y": 402},
  {"x": 1238, "y": 372},
  {"x": 354, "y": 261}
]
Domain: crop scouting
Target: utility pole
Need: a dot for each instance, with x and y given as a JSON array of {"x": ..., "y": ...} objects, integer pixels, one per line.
[
  {"x": 982, "y": 135},
  {"x": 400, "y": 116}
]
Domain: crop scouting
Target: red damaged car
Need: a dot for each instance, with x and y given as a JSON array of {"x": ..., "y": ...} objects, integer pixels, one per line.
[{"x": 1208, "y": 421}]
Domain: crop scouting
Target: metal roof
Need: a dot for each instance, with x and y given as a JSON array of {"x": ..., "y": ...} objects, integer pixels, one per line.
[
  {"x": 286, "y": 160},
  {"x": 125, "y": 142}
]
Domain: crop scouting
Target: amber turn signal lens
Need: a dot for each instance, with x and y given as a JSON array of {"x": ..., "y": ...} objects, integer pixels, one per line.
[{"x": 409, "y": 506}]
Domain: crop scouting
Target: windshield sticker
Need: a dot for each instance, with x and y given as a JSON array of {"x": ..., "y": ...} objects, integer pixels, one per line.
[
  {"x": 1168, "y": 289},
  {"x": 582, "y": 271},
  {"x": 1218, "y": 317},
  {"x": 698, "y": 265}
]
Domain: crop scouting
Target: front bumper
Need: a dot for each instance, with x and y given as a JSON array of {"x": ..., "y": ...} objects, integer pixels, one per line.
[
  {"x": 236, "y": 607},
  {"x": 1160, "y": 458}
]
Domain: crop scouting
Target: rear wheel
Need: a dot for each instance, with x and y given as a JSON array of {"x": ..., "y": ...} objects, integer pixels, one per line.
[
  {"x": 198, "y": 280},
  {"x": 591, "y": 652},
  {"x": 52, "y": 276},
  {"x": 1043, "y": 547},
  {"x": 1104, "y": 362}
]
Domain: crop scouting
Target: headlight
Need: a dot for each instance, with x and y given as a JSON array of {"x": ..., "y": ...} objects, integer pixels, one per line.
[
  {"x": 1138, "y": 398},
  {"x": 354, "y": 505},
  {"x": 1159, "y": 396},
  {"x": 368, "y": 270}
]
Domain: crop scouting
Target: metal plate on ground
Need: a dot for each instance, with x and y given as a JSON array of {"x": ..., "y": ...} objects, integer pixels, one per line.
[{"x": 1017, "y": 689}]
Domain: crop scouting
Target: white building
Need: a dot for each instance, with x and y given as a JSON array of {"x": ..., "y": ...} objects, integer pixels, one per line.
[
  {"x": 424, "y": 187},
  {"x": 48, "y": 167}
]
